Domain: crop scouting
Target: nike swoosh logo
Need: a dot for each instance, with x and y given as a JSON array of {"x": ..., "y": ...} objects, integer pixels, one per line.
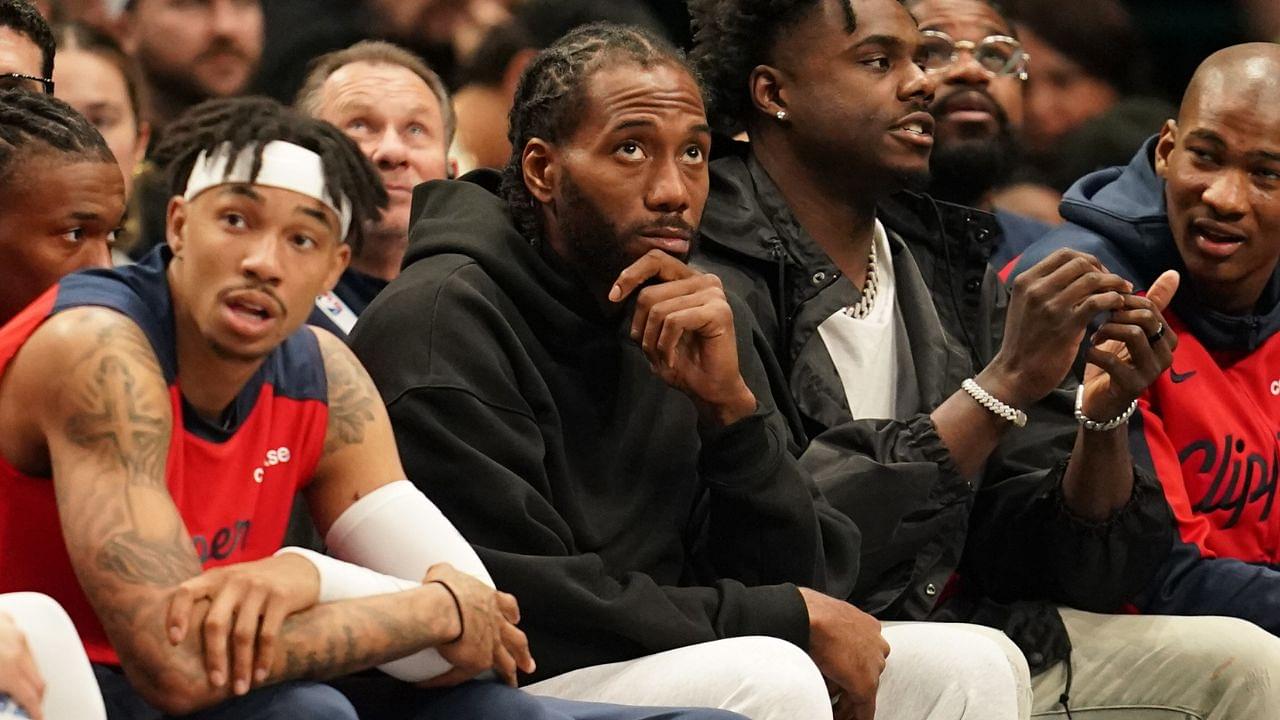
[{"x": 1177, "y": 377}]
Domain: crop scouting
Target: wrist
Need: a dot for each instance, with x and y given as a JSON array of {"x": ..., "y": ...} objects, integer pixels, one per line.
[
  {"x": 1002, "y": 383},
  {"x": 447, "y": 613},
  {"x": 1101, "y": 417},
  {"x": 991, "y": 402},
  {"x": 1102, "y": 405},
  {"x": 739, "y": 403}
]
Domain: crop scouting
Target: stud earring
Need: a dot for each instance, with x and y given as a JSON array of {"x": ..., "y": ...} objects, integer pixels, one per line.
[{"x": 781, "y": 115}]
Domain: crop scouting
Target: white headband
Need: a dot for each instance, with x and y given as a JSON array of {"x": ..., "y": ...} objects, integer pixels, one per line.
[{"x": 284, "y": 165}]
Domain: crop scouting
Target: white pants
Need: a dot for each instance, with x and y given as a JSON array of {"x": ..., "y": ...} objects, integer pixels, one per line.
[
  {"x": 1155, "y": 667},
  {"x": 935, "y": 672},
  {"x": 71, "y": 691}
]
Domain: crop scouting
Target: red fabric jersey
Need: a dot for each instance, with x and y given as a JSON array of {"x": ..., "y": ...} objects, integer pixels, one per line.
[{"x": 233, "y": 487}]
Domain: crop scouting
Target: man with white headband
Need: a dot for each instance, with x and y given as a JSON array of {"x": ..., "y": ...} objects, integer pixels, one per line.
[{"x": 156, "y": 422}]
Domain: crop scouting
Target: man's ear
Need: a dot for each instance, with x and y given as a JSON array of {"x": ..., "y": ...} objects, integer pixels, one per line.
[
  {"x": 541, "y": 170},
  {"x": 341, "y": 259},
  {"x": 1165, "y": 145},
  {"x": 175, "y": 224},
  {"x": 768, "y": 90}
]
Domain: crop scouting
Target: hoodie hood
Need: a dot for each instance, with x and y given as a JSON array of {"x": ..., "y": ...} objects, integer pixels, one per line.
[
  {"x": 468, "y": 217},
  {"x": 1119, "y": 215},
  {"x": 1125, "y": 205}
]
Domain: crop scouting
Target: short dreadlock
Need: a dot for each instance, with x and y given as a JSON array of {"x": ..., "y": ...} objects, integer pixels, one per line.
[
  {"x": 551, "y": 94},
  {"x": 255, "y": 121},
  {"x": 31, "y": 124},
  {"x": 732, "y": 37},
  {"x": 22, "y": 17}
]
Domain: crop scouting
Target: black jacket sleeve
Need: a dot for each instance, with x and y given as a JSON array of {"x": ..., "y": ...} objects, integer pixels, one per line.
[{"x": 1025, "y": 544}]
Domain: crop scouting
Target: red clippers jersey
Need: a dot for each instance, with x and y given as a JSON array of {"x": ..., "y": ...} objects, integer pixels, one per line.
[
  {"x": 233, "y": 485},
  {"x": 1212, "y": 428}
]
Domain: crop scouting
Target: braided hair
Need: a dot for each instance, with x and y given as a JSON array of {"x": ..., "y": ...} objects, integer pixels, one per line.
[
  {"x": 732, "y": 37},
  {"x": 32, "y": 124},
  {"x": 23, "y": 18},
  {"x": 551, "y": 95},
  {"x": 243, "y": 122}
]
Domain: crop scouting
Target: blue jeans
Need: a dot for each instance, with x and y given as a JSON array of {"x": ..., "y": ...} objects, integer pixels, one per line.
[
  {"x": 379, "y": 697},
  {"x": 285, "y": 701}
]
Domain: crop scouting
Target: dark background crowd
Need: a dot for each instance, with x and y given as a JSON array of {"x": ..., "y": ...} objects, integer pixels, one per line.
[{"x": 1119, "y": 63}]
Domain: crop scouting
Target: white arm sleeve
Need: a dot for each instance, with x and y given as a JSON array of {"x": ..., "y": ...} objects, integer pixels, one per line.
[
  {"x": 388, "y": 539},
  {"x": 396, "y": 530}
]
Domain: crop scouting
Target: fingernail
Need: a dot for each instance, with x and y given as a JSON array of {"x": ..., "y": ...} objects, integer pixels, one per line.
[
  {"x": 260, "y": 675},
  {"x": 614, "y": 293},
  {"x": 217, "y": 678},
  {"x": 242, "y": 687},
  {"x": 175, "y": 635}
]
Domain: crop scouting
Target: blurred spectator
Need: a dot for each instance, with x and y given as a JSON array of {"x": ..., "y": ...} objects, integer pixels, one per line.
[
  {"x": 1082, "y": 107},
  {"x": 26, "y": 48},
  {"x": 443, "y": 32},
  {"x": 980, "y": 71},
  {"x": 396, "y": 109},
  {"x": 488, "y": 79},
  {"x": 1264, "y": 18},
  {"x": 190, "y": 52},
  {"x": 457, "y": 24},
  {"x": 95, "y": 77},
  {"x": 61, "y": 196}
]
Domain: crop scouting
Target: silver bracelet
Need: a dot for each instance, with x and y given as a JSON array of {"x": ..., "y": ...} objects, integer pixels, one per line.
[
  {"x": 1094, "y": 425},
  {"x": 989, "y": 401}
]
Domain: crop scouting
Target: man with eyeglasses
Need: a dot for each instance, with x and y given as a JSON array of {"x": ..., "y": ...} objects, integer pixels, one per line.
[
  {"x": 980, "y": 69},
  {"x": 26, "y": 48},
  {"x": 939, "y": 407}
]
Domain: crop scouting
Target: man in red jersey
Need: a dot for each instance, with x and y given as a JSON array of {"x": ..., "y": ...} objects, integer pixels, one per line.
[
  {"x": 1203, "y": 197},
  {"x": 158, "y": 420}
]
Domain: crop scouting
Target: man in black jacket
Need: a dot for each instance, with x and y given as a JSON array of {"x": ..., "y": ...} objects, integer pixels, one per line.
[
  {"x": 914, "y": 370},
  {"x": 647, "y": 522}
]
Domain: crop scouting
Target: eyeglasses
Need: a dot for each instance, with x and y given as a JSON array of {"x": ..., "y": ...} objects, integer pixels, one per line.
[
  {"x": 30, "y": 83},
  {"x": 999, "y": 55}
]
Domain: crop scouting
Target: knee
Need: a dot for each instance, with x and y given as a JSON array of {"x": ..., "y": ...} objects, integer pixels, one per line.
[
  {"x": 314, "y": 701},
  {"x": 770, "y": 677},
  {"x": 1236, "y": 655},
  {"x": 975, "y": 672}
]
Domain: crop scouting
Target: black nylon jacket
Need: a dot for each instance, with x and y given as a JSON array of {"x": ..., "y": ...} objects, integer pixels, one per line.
[{"x": 1010, "y": 540}]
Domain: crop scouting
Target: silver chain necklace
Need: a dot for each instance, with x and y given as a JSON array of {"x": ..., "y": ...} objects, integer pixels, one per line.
[{"x": 862, "y": 308}]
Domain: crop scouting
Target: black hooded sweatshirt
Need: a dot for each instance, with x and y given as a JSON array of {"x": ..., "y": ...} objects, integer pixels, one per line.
[{"x": 584, "y": 482}]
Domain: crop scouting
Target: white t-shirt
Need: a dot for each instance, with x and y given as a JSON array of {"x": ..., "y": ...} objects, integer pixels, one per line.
[{"x": 871, "y": 353}]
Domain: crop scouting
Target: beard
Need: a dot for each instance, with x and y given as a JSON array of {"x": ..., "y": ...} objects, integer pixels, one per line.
[
  {"x": 181, "y": 85},
  {"x": 598, "y": 247},
  {"x": 965, "y": 169}
]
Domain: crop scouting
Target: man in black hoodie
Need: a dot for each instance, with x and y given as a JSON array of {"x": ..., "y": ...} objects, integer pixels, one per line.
[
  {"x": 908, "y": 362},
  {"x": 649, "y": 522}
]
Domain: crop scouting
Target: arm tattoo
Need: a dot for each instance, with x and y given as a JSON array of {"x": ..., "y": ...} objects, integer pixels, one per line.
[
  {"x": 118, "y": 426},
  {"x": 356, "y": 636},
  {"x": 351, "y": 398}
]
